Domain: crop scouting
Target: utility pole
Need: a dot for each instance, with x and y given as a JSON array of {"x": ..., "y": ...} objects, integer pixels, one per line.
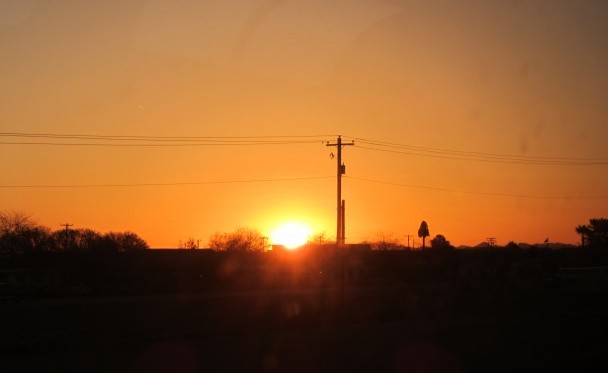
[
  {"x": 341, "y": 170},
  {"x": 343, "y": 221},
  {"x": 67, "y": 226},
  {"x": 408, "y": 241}
]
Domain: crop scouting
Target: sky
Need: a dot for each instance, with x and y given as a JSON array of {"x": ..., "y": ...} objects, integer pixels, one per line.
[{"x": 483, "y": 118}]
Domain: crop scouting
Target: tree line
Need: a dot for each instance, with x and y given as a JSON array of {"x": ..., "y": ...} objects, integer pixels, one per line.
[{"x": 19, "y": 234}]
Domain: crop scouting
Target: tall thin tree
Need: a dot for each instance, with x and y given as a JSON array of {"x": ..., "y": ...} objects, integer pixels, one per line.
[{"x": 423, "y": 232}]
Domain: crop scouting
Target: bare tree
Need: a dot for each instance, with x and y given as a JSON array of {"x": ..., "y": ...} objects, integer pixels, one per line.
[
  {"x": 319, "y": 238},
  {"x": 241, "y": 240},
  {"x": 385, "y": 241},
  {"x": 125, "y": 241},
  {"x": 190, "y": 244},
  {"x": 88, "y": 240},
  {"x": 19, "y": 234},
  {"x": 13, "y": 221}
]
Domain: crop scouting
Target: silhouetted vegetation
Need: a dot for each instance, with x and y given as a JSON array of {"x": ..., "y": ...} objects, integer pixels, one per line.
[
  {"x": 190, "y": 244},
  {"x": 483, "y": 309},
  {"x": 319, "y": 238},
  {"x": 594, "y": 234},
  {"x": 20, "y": 235},
  {"x": 423, "y": 232},
  {"x": 385, "y": 241},
  {"x": 241, "y": 240},
  {"x": 440, "y": 243}
]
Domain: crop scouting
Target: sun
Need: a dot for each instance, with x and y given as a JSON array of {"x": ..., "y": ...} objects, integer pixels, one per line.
[{"x": 291, "y": 235}]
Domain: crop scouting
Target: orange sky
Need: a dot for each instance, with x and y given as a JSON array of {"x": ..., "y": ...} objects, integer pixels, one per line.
[{"x": 504, "y": 77}]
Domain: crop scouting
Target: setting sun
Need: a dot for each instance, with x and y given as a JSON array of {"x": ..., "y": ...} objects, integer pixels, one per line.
[{"x": 291, "y": 235}]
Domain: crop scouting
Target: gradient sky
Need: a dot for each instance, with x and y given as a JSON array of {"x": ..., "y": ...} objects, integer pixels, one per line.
[{"x": 518, "y": 78}]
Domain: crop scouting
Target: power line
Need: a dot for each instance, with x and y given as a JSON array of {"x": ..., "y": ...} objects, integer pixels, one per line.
[
  {"x": 363, "y": 143},
  {"x": 473, "y": 192},
  {"x": 496, "y": 160},
  {"x": 475, "y": 156},
  {"x": 63, "y": 135},
  {"x": 161, "y": 145},
  {"x": 138, "y": 140},
  {"x": 462, "y": 152},
  {"x": 164, "y": 184}
]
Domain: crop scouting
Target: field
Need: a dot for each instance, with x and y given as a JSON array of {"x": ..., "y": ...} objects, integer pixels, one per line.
[{"x": 437, "y": 324}]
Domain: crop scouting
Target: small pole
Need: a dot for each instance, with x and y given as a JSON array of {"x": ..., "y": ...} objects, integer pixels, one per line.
[
  {"x": 67, "y": 226},
  {"x": 343, "y": 222},
  {"x": 343, "y": 252}
]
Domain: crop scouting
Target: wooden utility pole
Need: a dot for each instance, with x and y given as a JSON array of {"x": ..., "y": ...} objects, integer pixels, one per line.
[
  {"x": 67, "y": 226},
  {"x": 341, "y": 170},
  {"x": 343, "y": 221}
]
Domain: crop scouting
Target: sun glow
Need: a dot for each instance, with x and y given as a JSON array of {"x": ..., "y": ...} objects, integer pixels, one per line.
[{"x": 291, "y": 235}]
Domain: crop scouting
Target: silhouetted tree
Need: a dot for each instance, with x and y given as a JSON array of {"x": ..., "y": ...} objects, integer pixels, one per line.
[
  {"x": 87, "y": 240},
  {"x": 423, "y": 232},
  {"x": 512, "y": 246},
  {"x": 440, "y": 243},
  {"x": 124, "y": 241},
  {"x": 12, "y": 221},
  {"x": 19, "y": 234},
  {"x": 64, "y": 239},
  {"x": 241, "y": 240},
  {"x": 26, "y": 239},
  {"x": 190, "y": 244},
  {"x": 584, "y": 231},
  {"x": 318, "y": 239},
  {"x": 594, "y": 234},
  {"x": 385, "y": 241}
]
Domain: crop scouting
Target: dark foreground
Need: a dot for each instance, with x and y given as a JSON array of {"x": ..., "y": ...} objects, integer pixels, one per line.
[
  {"x": 424, "y": 328},
  {"x": 401, "y": 312}
]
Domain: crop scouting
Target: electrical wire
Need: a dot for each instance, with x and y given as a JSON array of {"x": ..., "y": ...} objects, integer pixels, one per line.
[
  {"x": 138, "y": 140},
  {"x": 405, "y": 149},
  {"x": 142, "y": 141},
  {"x": 161, "y": 145},
  {"x": 164, "y": 184},
  {"x": 461, "y": 152},
  {"x": 472, "y": 192},
  {"x": 31, "y": 134}
]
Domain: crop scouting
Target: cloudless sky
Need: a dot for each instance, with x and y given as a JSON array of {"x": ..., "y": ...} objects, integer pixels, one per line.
[{"x": 521, "y": 79}]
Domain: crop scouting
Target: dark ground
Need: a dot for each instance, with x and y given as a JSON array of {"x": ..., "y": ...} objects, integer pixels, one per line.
[
  {"x": 421, "y": 328},
  {"x": 478, "y": 311}
]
